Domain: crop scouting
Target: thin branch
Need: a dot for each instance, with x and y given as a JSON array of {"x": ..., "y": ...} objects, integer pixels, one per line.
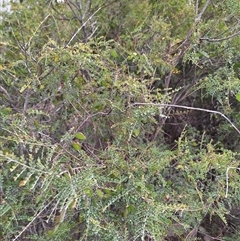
[
  {"x": 196, "y": 9},
  {"x": 198, "y": 18},
  {"x": 30, "y": 223},
  {"x": 93, "y": 32},
  {"x": 220, "y": 39},
  {"x": 80, "y": 18},
  {"x": 88, "y": 7},
  {"x": 185, "y": 44},
  {"x": 83, "y": 25},
  {"x": 189, "y": 108},
  {"x": 24, "y": 165},
  {"x": 6, "y": 93},
  {"x": 91, "y": 116},
  {"x": 26, "y": 101},
  {"x": 37, "y": 29}
]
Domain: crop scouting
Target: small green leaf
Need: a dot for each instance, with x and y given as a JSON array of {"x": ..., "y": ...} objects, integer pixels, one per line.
[
  {"x": 76, "y": 146},
  {"x": 238, "y": 97},
  {"x": 99, "y": 193},
  {"x": 113, "y": 53},
  {"x": 80, "y": 136},
  {"x": 38, "y": 199},
  {"x": 131, "y": 208},
  {"x": 136, "y": 132},
  {"x": 67, "y": 176},
  {"x": 88, "y": 192}
]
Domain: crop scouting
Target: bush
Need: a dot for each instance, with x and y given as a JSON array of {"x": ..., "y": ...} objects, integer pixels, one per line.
[{"x": 94, "y": 142}]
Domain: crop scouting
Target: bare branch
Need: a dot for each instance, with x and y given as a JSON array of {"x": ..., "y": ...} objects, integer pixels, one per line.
[
  {"x": 198, "y": 18},
  {"x": 79, "y": 16},
  {"x": 83, "y": 25},
  {"x": 189, "y": 108},
  {"x": 34, "y": 218},
  {"x": 220, "y": 39},
  {"x": 6, "y": 93}
]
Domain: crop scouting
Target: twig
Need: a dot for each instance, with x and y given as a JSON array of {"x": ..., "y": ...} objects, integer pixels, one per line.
[
  {"x": 80, "y": 18},
  {"x": 185, "y": 44},
  {"x": 198, "y": 18},
  {"x": 29, "y": 224},
  {"x": 220, "y": 39},
  {"x": 24, "y": 165},
  {"x": 189, "y": 108},
  {"x": 83, "y": 25},
  {"x": 36, "y": 30},
  {"x": 6, "y": 93},
  {"x": 90, "y": 116},
  {"x": 26, "y": 101}
]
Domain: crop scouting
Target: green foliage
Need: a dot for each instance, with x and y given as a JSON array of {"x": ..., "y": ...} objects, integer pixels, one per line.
[{"x": 86, "y": 153}]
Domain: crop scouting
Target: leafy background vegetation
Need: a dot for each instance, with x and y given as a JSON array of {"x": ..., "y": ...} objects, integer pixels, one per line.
[{"x": 94, "y": 144}]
